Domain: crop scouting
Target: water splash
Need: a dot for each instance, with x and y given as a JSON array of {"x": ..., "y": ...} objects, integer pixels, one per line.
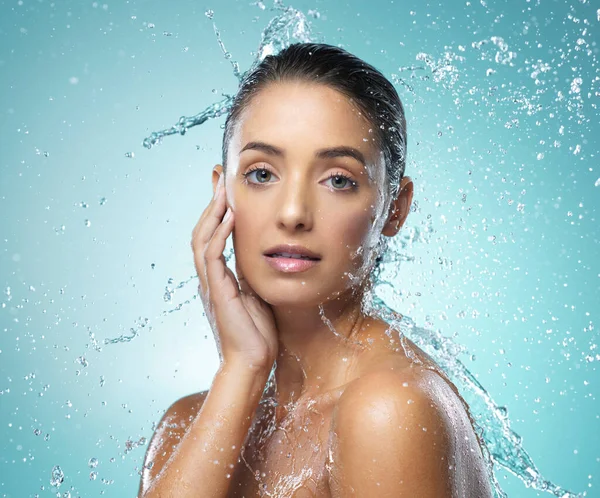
[
  {"x": 57, "y": 477},
  {"x": 502, "y": 445},
  {"x": 288, "y": 27}
]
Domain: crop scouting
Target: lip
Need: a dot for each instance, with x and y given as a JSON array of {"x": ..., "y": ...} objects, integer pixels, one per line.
[
  {"x": 292, "y": 249},
  {"x": 290, "y": 265}
]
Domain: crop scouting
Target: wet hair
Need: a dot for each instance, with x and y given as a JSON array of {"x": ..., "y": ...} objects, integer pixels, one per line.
[{"x": 369, "y": 90}]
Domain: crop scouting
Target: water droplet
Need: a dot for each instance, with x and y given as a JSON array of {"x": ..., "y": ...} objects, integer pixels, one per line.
[
  {"x": 209, "y": 13},
  {"x": 58, "y": 477},
  {"x": 130, "y": 155},
  {"x": 82, "y": 361}
]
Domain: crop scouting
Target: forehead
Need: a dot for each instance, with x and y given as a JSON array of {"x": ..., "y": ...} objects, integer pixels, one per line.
[{"x": 305, "y": 116}]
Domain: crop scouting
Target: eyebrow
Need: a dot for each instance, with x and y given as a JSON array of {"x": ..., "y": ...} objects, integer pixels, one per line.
[{"x": 327, "y": 153}]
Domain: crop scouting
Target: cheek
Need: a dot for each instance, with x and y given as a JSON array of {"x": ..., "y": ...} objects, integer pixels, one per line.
[
  {"x": 350, "y": 229},
  {"x": 247, "y": 225}
]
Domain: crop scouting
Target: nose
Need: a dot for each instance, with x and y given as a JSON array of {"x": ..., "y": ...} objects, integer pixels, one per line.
[{"x": 294, "y": 211}]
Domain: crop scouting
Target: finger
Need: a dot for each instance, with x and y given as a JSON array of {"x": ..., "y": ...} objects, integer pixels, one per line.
[
  {"x": 211, "y": 216},
  {"x": 243, "y": 283},
  {"x": 214, "y": 261},
  {"x": 205, "y": 229}
]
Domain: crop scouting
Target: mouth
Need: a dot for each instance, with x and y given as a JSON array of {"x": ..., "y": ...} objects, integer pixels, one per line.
[
  {"x": 290, "y": 256},
  {"x": 291, "y": 259},
  {"x": 288, "y": 264},
  {"x": 291, "y": 251}
]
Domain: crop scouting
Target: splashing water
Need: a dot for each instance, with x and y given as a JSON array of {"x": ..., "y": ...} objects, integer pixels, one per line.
[
  {"x": 502, "y": 445},
  {"x": 57, "y": 477}
]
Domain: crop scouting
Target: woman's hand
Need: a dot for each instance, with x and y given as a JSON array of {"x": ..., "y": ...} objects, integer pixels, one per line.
[{"x": 242, "y": 323}]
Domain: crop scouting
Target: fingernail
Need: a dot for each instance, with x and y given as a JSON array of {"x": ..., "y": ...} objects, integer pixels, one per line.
[{"x": 227, "y": 215}]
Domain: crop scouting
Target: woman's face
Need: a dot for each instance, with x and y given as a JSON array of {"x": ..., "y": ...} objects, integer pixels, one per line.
[{"x": 303, "y": 169}]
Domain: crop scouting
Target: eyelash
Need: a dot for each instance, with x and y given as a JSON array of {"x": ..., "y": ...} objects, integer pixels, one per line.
[{"x": 353, "y": 184}]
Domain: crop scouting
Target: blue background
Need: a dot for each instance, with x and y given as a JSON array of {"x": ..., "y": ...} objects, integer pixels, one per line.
[{"x": 502, "y": 246}]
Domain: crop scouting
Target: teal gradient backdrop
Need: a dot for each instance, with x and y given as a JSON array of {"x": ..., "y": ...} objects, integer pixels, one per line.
[{"x": 502, "y": 106}]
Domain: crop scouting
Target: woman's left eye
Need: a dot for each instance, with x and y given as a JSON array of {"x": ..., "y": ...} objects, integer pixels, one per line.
[{"x": 342, "y": 182}]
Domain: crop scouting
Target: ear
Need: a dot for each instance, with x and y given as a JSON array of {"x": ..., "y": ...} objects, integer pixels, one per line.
[
  {"x": 399, "y": 208},
  {"x": 216, "y": 173}
]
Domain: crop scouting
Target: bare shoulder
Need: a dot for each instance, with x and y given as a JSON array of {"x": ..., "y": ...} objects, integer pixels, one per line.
[
  {"x": 168, "y": 434},
  {"x": 401, "y": 429}
]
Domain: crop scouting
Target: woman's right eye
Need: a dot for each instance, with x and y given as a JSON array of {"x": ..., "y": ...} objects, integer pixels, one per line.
[{"x": 259, "y": 175}]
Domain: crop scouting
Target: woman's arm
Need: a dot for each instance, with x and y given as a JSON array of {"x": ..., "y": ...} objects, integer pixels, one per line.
[{"x": 201, "y": 461}]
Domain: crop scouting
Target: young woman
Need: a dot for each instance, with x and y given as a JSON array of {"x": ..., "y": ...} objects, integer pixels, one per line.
[{"x": 311, "y": 186}]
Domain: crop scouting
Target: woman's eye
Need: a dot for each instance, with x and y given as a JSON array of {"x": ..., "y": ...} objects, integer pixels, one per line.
[
  {"x": 340, "y": 182},
  {"x": 259, "y": 175}
]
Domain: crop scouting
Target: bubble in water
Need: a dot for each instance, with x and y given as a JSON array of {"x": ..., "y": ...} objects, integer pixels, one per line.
[{"x": 58, "y": 477}]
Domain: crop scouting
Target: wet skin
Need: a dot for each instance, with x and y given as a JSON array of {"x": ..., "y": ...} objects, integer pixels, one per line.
[
  {"x": 354, "y": 415},
  {"x": 293, "y": 447}
]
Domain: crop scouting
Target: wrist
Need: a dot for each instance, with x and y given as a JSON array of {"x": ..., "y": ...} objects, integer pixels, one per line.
[
  {"x": 244, "y": 368},
  {"x": 254, "y": 365}
]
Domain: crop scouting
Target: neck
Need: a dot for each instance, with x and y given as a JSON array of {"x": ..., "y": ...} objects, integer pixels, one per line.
[{"x": 316, "y": 346}]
